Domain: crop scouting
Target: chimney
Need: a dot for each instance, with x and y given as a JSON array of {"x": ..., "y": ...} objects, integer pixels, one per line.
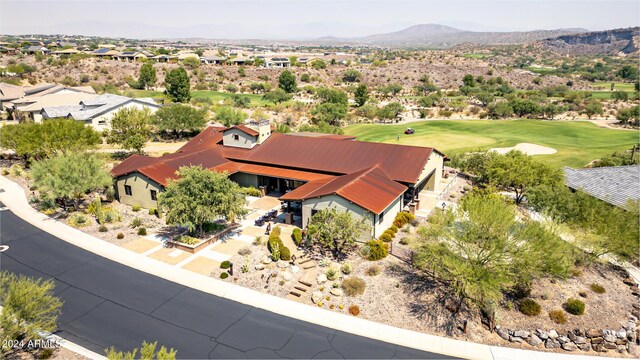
[{"x": 262, "y": 126}]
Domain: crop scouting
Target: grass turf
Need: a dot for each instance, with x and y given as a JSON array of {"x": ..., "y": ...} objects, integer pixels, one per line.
[{"x": 577, "y": 142}]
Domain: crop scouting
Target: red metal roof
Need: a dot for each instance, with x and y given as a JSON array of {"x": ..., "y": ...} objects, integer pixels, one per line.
[
  {"x": 245, "y": 129},
  {"x": 208, "y": 138},
  {"x": 281, "y": 172},
  {"x": 370, "y": 188},
  {"x": 402, "y": 163}
]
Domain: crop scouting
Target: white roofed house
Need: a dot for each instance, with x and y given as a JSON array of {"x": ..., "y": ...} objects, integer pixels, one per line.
[
  {"x": 278, "y": 62},
  {"x": 98, "y": 111},
  {"x": 27, "y": 102},
  {"x": 36, "y": 49}
]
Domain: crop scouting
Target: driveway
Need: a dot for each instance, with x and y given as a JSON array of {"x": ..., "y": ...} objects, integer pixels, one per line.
[{"x": 107, "y": 303}]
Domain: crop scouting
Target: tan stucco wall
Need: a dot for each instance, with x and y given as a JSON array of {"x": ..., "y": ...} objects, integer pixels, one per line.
[
  {"x": 389, "y": 215},
  {"x": 245, "y": 180},
  {"x": 435, "y": 162},
  {"x": 245, "y": 140},
  {"x": 141, "y": 187}
]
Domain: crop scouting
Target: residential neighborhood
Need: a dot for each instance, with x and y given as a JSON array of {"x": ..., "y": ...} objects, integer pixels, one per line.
[{"x": 319, "y": 180}]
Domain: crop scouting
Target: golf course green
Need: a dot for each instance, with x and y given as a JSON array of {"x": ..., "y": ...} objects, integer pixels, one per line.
[{"x": 577, "y": 142}]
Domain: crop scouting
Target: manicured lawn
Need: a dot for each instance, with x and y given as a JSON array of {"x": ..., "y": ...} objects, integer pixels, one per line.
[
  {"x": 577, "y": 143},
  {"x": 214, "y": 96},
  {"x": 606, "y": 85},
  {"x": 606, "y": 95}
]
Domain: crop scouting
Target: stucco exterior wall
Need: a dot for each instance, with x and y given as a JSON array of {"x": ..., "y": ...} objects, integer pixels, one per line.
[
  {"x": 141, "y": 187},
  {"x": 244, "y": 140},
  {"x": 388, "y": 215},
  {"x": 436, "y": 162},
  {"x": 245, "y": 180},
  {"x": 103, "y": 122}
]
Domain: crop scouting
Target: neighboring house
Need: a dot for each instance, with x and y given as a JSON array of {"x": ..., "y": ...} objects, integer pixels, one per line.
[
  {"x": 131, "y": 56},
  {"x": 99, "y": 110},
  {"x": 186, "y": 55},
  {"x": 31, "y": 107},
  {"x": 69, "y": 51},
  {"x": 277, "y": 62},
  {"x": 238, "y": 60},
  {"x": 616, "y": 185},
  {"x": 162, "y": 58},
  {"x": 213, "y": 60},
  {"x": 373, "y": 181},
  {"x": 36, "y": 49},
  {"x": 13, "y": 94},
  {"x": 105, "y": 52}
]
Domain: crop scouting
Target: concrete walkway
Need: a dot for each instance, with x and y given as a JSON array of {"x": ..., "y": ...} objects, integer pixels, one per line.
[{"x": 14, "y": 198}]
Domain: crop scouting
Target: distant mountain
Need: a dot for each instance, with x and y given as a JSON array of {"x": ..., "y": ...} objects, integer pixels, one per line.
[
  {"x": 441, "y": 36},
  {"x": 610, "y": 42}
]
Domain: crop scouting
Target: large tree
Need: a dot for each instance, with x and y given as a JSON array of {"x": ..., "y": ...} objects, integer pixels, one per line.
[
  {"x": 130, "y": 128},
  {"x": 35, "y": 141},
  {"x": 361, "y": 95},
  {"x": 229, "y": 116},
  {"x": 329, "y": 113},
  {"x": 287, "y": 81},
  {"x": 177, "y": 119},
  {"x": 177, "y": 85},
  {"x": 481, "y": 250},
  {"x": 201, "y": 196},
  {"x": 147, "y": 77},
  {"x": 593, "y": 107},
  {"x": 335, "y": 231},
  {"x": 70, "y": 176},
  {"x": 29, "y": 306},
  {"x": 390, "y": 111}
]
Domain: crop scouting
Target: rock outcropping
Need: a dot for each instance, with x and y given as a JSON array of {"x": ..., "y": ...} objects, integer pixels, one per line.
[{"x": 610, "y": 42}]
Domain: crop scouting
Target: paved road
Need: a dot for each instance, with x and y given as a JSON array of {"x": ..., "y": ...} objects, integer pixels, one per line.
[{"x": 107, "y": 303}]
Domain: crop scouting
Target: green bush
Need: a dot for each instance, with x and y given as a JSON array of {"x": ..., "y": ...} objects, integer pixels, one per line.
[
  {"x": 153, "y": 211},
  {"x": 346, "y": 268},
  {"x": 110, "y": 215},
  {"x": 186, "y": 239},
  {"x": 120, "y": 236},
  {"x": 274, "y": 238},
  {"x": 388, "y": 231},
  {"x": 136, "y": 208},
  {"x": 102, "y": 228},
  {"x": 224, "y": 275},
  {"x": 285, "y": 253},
  {"x": 142, "y": 231},
  {"x": 213, "y": 227},
  {"x": 574, "y": 306},
  {"x": 251, "y": 191},
  {"x": 78, "y": 219},
  {"x": 353, "y": 286},
  {"x": 296, "y": 235},
  {"x": 225, "y": 264},
  {"x": 377, "y": 250},
  {"x": 529, "y": 307},
  {"x": 332, "y": 274},
  {"x": 403, "y": 218},
  {"x": 597, "y": 288},
  {"x": 393, "y": 229},
  {"x": 406, "y": 240},
  {"x": 135, "y": 222},
  {"x": 386, "y": 237},
  {"x": 558, "y": 316}
]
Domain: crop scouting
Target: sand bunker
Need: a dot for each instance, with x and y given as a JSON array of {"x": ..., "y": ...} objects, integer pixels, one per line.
[{"x": 527, "y": 148}]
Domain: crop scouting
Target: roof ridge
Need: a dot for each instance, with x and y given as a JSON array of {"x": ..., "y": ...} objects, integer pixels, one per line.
[{"x": 364, "y": 172}]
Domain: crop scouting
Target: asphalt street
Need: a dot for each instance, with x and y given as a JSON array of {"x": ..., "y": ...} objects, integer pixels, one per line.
[{"x": 107, "y": 303}]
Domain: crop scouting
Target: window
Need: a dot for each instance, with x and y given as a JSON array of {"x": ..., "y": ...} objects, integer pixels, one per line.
[
  {"x": 154, "y": 195},
  {"x": 127, "y": 190},
  {"x": 381, "y": 217},
  {"x": 236, "y": 137}
]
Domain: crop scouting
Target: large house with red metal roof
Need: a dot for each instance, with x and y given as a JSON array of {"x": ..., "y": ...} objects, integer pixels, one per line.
[{"x": 370, "y": 180}]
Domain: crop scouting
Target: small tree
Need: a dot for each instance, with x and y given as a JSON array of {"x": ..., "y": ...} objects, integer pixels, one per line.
[
  {"x": 147, "y": 77},
  {"x": 277, "y": 96},
  {"x": 200, "y": 196},
  {"x": 177, "y": 84},
  {"x": 70, "y": 176},
  {"x": 287, "y": 81},
  {"x": 361, "y": 95},
  {"x": 147, "y": 352},
  {"x": 130, "y": 128},
  {"x": 229, "y": 116},
  {"x": 329, "y": 113},
  {"x": 594, "y": 107},
  {"x": 335, "y": 231},
  {"x": 29, "y": 306},
  {"x": 351, "y": 75},
  {"x": 390, "y": 111},
  {"x": 177, "y": 119}
]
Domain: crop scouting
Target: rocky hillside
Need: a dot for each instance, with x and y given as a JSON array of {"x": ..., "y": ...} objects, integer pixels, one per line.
[
  {"x": 441, "y": 36},
  {"x": 610, "y": 42}
]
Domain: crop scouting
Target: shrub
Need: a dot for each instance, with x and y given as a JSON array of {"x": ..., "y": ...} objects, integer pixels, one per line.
[
  {"x": 353, "y": 286},
  {"x": 225, "y": 264},
  {"x": 153, "y": 211},
  {"x": 142, "y": 231},
  {"x": 275, "y": 242},
  {"x": 529, "y": 307},
  {"x": 574, "y": 306},
  {"x": 377, "y": 250},
  {"x": 332, "y": 273},
  {"x": 386, "y": 237},
  {"x": 406, "y": 240},
  {"x": 393, "y": 228},
  {"x": 257, "y": 241},
  {"x": 373, "y": 270},
  {"x": 558, "y": 316},
  {"x": 120, "y": 236},
  {"x": 251, "y": 191},
  {"x": 102, "y": 228},
  {"x": 285, "y": 253},
  {"x": 136, "y": 208},
  {"x": 597, "y": 288},
  {"x": 135, "y": 222},
  {"x": 354, "y": 310},
  {"x": 185, "y": 239},
  {"x": 296, "y": 235},
  {"x": 224, "y": 275},
  {"x": 78, "y": 219},
  {"x": 110, "y": 215},
  {"x": 346, "y": 268},
  {"x": 244, "y": 251}
]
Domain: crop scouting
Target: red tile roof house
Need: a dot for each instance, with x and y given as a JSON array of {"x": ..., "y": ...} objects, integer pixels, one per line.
[{"x": 370, "y": 180}]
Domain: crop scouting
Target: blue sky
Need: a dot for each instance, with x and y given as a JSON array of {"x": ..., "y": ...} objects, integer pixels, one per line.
[{"x": 304, "y": 18}]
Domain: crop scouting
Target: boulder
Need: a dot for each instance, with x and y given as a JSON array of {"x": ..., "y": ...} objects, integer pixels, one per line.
[
  {"x": 578, "y": 332},
  {"x": 542, "y": 334},
  {"x": 579, "y": 340},
  {"x": 597, "y": 340},
  {"x": 515, "y": 339},
  {"x": 569, "y": 346},
  {"x": 563, "y": 339},
  {"x": 534, "y": 340},
  {"x": 598, "y": 348},
  {"x": 267, "y": 260},
  {"x": 621, "y": 341},
  {"x": 521, "y": 334},
  {"x": 622, "y": 349},
  {"x": 609, "y": 338},
  {"x": 621, "y": 334},
  {"x": 259, "y": 266},
  {"x": 287, "y": 276},
  {"x": 584, "y": 347},
  {"x": 336, "y": 292},
  {"x": 553, "y": 334},
  {"x": 322, "y": 278},
  {"x": 295, "y": 269},
  {"x": 594, "y": 333},
  {"x": 503, "y": 334},
  {"x": 316, "y": 296},
  {"x": 551, "y": 344},
  {"x": 610, "y": 346}
]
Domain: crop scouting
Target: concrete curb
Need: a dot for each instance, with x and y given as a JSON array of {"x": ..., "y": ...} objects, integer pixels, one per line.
[{"x": 14, "y": 199}]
